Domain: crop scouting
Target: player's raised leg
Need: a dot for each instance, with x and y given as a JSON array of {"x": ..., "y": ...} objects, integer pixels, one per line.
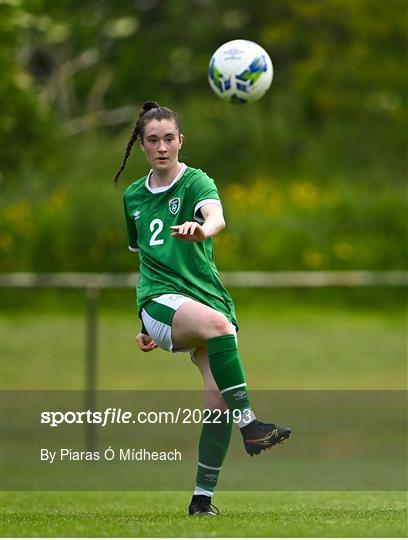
[{"x": 195, "y": 325}]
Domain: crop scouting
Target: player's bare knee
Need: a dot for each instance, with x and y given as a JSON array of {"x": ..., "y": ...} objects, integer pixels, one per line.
[{"x": 219, "y": 325}]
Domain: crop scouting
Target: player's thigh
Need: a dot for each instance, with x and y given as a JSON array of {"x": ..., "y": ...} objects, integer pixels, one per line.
[
  {"x": 194, "y": 324},
  {"x": 178, "y": 323}
]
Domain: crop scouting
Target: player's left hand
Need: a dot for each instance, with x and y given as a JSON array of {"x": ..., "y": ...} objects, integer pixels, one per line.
[
  {"x": 145, "y": 342},
  {"x": 191, "y": 231}
]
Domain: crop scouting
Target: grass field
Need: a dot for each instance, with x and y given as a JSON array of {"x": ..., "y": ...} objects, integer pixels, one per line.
[
  {"x": 244, "y": 514},
  {"x": 302, "y": 342}
]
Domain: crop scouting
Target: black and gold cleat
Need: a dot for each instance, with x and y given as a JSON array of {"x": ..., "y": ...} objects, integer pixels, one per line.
[
  {"x": 201, "y": 506},
  {"x": 258, "y": 436}
]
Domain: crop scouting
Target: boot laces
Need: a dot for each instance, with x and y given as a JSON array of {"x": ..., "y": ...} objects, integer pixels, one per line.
[
  {"x": 266, "y": 427},
  {"x": 206, "y": 505}
]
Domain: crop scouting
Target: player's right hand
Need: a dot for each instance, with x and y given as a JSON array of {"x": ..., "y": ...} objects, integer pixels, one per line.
[{"x": 145, "y": 342}]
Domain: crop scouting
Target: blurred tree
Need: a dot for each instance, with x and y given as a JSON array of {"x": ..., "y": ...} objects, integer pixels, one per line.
[
  {"x": 337, "y": 64},
  {"x": 74, "y": 73}
]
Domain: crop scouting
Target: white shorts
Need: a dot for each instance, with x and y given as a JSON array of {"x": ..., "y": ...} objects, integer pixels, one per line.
[{"x": 157, "y": 317}]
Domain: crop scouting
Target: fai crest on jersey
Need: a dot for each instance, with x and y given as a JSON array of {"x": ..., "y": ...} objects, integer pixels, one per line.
[{"x": 174, "y": 205}]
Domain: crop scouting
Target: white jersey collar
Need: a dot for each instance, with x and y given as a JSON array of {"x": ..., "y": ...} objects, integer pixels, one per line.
[{"x": 164, "y": 188}]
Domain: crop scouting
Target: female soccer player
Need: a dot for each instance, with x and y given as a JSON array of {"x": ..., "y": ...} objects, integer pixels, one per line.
[{"x": 172, "y": 215}]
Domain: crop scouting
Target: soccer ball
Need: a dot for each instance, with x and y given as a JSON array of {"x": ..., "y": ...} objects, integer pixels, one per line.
[{"x": 240, "y": 71}]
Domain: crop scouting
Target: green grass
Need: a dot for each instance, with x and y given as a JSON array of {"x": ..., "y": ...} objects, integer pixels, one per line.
[
  {"x": 243, "y": 514},
  {"x": 311, "y": 340}
]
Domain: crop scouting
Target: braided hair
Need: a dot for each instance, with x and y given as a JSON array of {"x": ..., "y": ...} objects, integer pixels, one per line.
[{"x": 150, "y": 111}]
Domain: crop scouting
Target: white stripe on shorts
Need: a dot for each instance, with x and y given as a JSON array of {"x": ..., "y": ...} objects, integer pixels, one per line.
[
  {"x": 173, "y": 301},
  {"x": 158, "y": 331}
]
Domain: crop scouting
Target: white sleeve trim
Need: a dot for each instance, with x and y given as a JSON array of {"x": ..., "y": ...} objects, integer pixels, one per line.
[
  {"x": 135, "y": 250},
  {"x": 201, "y": 204}
]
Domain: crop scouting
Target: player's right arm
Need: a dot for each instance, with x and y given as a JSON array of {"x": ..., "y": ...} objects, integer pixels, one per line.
[
  {"x": 191, "y": 231},
  {"x": 214, "y": 221}
]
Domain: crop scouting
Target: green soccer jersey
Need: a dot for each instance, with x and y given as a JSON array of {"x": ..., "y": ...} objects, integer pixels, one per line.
[{"x": 168, "y": 264}]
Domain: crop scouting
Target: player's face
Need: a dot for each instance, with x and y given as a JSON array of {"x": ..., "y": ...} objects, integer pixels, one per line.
[{"x": 161, "y": 144}]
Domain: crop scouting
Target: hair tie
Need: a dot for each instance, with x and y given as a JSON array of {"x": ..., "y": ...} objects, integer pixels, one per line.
[{"x": 149, "y": 105}]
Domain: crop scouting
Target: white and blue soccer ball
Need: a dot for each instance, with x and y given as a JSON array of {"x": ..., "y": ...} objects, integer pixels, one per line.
[{"x": 240, "y": 71}]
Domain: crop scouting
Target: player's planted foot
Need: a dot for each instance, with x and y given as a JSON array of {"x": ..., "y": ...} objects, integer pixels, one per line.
[
  {"x": 258, "y": 436},
  {"x": 201, "y": 506}
]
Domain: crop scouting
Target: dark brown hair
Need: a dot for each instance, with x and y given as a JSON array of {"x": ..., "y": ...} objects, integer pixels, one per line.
[{"x": 150, "y": 111}]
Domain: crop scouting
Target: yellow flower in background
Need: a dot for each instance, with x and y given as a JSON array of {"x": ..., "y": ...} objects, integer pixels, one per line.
[
  {"x": 343, "y": 250},
  {"x": 228, "y": 246},
  {"x": 313, "y": 259},
  {"x": 6, "y": 242},
  {"x": 275, "y": 204},
  {"x": 18, "y": 218},
  {"x": 262, "y": 196},
  {"x": 305, "y": 195},
  {"x": 57, "y": 199},
  {"x": 236, "y": 195},
  {"x": 258, "y": 194},
  {"x": 17, "y": 213}
]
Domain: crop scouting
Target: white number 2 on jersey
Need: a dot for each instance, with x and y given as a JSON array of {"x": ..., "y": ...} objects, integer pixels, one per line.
[{"x": 156, "y": 227}]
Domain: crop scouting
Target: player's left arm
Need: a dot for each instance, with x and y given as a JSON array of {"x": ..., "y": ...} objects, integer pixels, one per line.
[
  {"x": 145, "y": 342},
  {"x": 191, "y": 231}
]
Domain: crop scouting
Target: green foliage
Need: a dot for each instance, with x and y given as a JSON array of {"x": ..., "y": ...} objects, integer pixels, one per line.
[
  {"x": 72, "y": 219},
  {"x": 300, "y": 223},
  {"x": 312, "y": 176},
  {"x": 25, "y": 118}
]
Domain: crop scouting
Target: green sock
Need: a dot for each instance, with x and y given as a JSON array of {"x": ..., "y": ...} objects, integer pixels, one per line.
[
  {"x": 228, "y": 371},
  {"x": 212, "y": 449}
]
